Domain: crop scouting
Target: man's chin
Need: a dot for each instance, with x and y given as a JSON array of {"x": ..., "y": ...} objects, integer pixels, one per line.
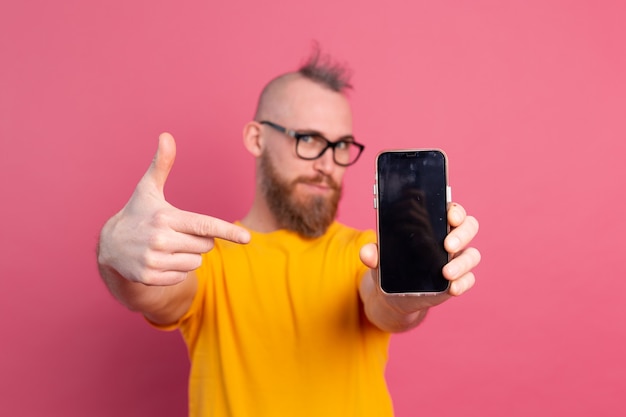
[{"x": 312, "y": 216}]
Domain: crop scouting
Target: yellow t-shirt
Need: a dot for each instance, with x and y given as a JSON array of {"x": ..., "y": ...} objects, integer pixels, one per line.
[{"x": 277, "y": 329}]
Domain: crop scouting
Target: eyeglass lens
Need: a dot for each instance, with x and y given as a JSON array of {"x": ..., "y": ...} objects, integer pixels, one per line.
[{"x": 312, "y": 146}]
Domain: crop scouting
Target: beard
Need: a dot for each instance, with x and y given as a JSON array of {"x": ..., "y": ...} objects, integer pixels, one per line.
[{"x": 308, "y": 216}]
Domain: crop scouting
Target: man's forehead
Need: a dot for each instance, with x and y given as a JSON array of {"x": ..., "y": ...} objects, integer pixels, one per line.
[{"x": 312, "y": 106}]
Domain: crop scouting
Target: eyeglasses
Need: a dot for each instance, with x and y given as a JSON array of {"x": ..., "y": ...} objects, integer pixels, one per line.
[{"x": 312, "y": 145}]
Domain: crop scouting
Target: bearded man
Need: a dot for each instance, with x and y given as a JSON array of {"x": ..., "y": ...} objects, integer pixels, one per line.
[{"x": 282, "y": 315}]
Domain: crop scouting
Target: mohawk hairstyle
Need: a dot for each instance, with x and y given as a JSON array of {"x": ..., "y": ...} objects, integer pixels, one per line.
[{"x": 322, "y": 69}]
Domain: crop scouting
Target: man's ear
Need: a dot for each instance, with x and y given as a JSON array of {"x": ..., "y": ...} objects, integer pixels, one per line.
[{"x": 252, "y": 138}]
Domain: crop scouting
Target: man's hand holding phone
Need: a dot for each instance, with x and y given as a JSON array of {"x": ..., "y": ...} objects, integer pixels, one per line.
[{"x": 393, "y": 313}]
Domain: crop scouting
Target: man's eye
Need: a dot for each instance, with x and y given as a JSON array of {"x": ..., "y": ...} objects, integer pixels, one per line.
[
  {"x": 307, "y": 139},
  {"x": 313, "y": 140},
  {"x": 343, "y": 145}
]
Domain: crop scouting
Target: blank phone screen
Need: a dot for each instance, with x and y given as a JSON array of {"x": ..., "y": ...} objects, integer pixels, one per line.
[{"x": 412, "y": 221}]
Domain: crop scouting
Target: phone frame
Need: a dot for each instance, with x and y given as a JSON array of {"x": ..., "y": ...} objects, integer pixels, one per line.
[{"x": 448, "y": 198}]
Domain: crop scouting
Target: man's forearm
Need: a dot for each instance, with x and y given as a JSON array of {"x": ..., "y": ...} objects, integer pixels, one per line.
[{"x": 160, "y": 304}]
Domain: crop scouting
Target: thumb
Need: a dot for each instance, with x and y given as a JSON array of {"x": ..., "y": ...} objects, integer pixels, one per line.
[
  {"x": 369, "y": 255},
  {"x": 162, "y": 162}
]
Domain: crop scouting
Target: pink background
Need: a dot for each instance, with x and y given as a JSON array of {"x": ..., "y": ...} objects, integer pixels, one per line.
[{"x": 528, "y": 98}]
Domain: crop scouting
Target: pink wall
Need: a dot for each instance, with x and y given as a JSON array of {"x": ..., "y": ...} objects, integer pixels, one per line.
[{"x": 528, "y": 98}]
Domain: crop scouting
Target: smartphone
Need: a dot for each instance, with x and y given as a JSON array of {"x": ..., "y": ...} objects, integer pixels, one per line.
[{"x": 411, "y": 200}]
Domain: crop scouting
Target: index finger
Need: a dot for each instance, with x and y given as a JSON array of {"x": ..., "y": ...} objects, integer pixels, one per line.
[{"x": 207, "y": 226}]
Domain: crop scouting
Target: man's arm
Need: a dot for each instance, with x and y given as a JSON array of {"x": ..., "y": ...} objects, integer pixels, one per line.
[
  {"x": 398, "y": 314},
  {"x": 148, "y": 251}
]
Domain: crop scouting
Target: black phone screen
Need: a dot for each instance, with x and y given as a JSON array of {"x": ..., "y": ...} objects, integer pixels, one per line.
[{"x": 412, "y": 221}]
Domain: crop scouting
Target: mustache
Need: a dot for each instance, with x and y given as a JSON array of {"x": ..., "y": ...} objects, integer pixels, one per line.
[{"x": 319, "y": 179}]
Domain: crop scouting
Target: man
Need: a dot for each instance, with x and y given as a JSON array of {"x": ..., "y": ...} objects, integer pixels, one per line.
[{"x": 281, "y": 312}]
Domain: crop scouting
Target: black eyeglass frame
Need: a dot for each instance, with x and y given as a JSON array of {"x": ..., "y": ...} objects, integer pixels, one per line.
[{"x": 329, "y": 144}]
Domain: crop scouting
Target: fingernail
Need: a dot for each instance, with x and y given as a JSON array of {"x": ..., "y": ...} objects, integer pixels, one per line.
[{"x": 244, "y": 237}]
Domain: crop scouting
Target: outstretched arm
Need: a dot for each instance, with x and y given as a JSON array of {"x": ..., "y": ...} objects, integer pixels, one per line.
[{"x": 148, "y": 251}]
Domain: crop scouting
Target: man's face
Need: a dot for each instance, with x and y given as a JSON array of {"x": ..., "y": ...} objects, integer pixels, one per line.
[
  {"x": 307, "y": 213},
  {"x": 304, "y": 195}
]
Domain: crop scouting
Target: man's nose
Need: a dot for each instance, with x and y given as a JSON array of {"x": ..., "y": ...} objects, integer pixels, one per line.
[{"x": 325, "y": 163}]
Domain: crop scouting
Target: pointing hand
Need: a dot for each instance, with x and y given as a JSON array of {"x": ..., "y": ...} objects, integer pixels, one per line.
[{"x": 152, "y": 242}]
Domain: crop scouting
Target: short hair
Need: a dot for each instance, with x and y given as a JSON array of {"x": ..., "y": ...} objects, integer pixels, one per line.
[
  {"x": 318, "y": 68},
  {"x": 324, "y": 70}
]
